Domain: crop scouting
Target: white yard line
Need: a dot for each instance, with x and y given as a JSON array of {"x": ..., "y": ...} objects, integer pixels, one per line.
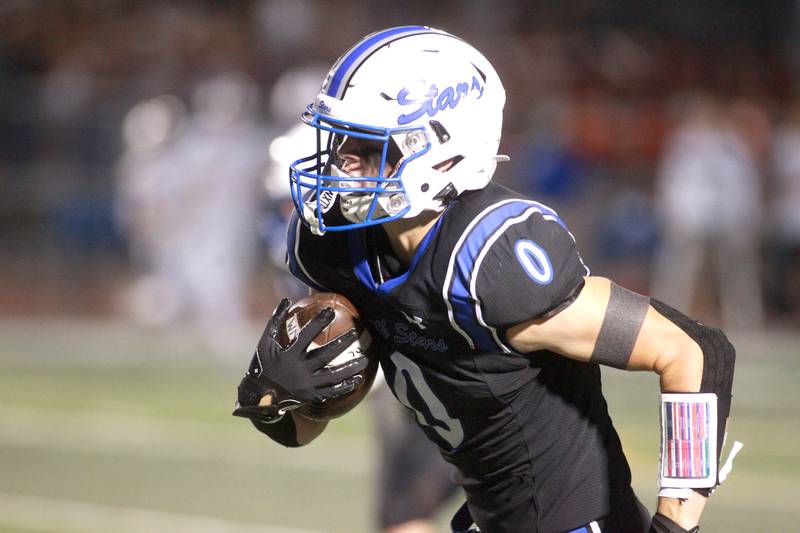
[
  {"x": 33, "y": 512},
  {"x": 143, "y": 436}
]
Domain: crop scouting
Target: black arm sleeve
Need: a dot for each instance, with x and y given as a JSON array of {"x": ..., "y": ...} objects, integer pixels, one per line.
[{"x": 719, "y": 359}]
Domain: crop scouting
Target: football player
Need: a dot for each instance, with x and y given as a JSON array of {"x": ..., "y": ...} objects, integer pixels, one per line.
[{"x": 495, "y": 329}]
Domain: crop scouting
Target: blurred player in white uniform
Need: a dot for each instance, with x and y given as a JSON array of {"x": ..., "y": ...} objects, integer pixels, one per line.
[
  {"x": 198, "y": 213},
  {"x": 292, "y": 139},
  {"x": 144, "y": 210},
  {"x": 784, "y": 278},
  {"x": 709, "y": 194}
]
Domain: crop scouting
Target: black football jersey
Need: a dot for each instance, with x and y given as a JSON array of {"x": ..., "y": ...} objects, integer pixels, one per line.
[{"x": 529, "y": 434}]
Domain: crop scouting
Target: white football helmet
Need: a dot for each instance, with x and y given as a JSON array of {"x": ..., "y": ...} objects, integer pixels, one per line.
[{"x": 432, "y": 100}]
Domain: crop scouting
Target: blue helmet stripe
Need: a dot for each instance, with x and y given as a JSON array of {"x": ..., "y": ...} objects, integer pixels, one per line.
[{"x": 352, "y": 59}]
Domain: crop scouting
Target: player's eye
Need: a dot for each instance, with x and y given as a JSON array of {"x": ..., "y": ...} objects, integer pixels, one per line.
[{"x": 369, "y": 150}]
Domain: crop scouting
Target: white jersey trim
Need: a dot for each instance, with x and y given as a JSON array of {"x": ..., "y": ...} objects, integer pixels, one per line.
[
  {"x": 535, "y": 207},
  {"x": 451, "y": 268},
  {"x": 473, "y": 282}
]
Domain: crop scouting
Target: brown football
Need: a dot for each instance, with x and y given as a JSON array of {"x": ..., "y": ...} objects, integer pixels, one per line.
[{"x": 346, "y": 317}]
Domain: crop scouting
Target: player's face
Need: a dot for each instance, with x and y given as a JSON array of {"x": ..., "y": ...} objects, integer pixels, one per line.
[{"x": 362, "y": 157}]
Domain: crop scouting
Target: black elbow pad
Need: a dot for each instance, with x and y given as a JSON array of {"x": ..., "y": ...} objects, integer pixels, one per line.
[{"x": 719, "y": 359}]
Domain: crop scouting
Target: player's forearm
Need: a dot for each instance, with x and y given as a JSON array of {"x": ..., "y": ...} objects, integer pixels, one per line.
[{"x": 680, "y": 367}]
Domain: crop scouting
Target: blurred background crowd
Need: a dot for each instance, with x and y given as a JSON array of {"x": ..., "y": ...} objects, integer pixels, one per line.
[{"x": 145, "y": 144}]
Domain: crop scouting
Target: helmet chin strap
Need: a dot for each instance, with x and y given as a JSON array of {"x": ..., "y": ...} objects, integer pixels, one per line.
[
  {"x": 311, "y": 206},
  {"x": 310, "y": 216}
]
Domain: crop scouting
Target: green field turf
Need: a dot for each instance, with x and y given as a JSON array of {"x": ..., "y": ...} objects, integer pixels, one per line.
[{"x": 105, "y": 428}]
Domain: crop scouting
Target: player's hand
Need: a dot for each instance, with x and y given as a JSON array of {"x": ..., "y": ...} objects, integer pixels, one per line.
[{"x": 279, "y": 379}]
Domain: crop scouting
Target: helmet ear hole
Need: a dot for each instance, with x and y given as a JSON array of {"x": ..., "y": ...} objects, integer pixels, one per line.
[{"x": 447, "y": 164}]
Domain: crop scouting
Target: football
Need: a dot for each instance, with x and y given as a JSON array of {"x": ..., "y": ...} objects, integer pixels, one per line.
[{"x": 346, "y": 317}]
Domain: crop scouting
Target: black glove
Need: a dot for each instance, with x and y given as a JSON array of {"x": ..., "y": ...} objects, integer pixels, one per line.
[
  {"x": 279, "y": 379},
  {"x": 662, "y": 524}
]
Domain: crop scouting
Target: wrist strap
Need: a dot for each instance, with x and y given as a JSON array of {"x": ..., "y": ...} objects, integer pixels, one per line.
[
  {"x": 662, "y": 524},
  {"x": 681, "y": 494}
]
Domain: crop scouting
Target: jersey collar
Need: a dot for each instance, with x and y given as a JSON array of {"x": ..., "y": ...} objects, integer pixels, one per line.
[{"x": 360, "y": 259}]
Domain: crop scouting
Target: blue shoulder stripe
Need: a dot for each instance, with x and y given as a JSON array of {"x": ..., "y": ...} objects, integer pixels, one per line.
[
  {"x": 360, "y": 260},
  {"x": 460, "y": 296}
]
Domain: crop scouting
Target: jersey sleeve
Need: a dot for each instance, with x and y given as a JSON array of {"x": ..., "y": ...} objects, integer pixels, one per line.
[
  {"x": 531, "y": 269},
  {"x": 301, "y": 260}
]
